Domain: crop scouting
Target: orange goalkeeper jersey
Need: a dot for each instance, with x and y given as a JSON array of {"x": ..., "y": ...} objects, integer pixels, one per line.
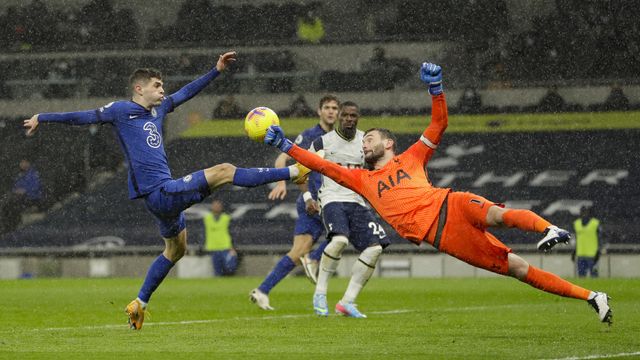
[{"x": 400, "y": 191}]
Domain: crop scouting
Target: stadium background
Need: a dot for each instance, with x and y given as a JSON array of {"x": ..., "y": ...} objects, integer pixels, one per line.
[{"x": 517, "y": 147}]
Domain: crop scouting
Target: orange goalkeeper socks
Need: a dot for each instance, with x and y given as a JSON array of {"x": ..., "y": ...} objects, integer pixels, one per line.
[
  {"x": 554, "y": 284},
  {"x": 525, "y": 220}
]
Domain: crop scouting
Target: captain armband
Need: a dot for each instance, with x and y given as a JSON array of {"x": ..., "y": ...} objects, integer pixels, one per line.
[{"x": 428, "y": 143}]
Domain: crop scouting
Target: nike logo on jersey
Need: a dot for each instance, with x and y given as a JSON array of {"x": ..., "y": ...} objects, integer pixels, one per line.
[
  {"x": 382, "y": 185},
  {"x": 133, "y": 116}
]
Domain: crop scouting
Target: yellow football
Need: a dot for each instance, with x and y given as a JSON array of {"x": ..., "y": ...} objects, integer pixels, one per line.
[{"x": 258, "y": 121}]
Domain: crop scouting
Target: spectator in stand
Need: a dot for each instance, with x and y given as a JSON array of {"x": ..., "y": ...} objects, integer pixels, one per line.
[
  {"x": 185, "y": 66},
  {"x": 552, "y": 101},
  {"x": 616, "y": 100},
  {"x": 26, "y": 192},
  {"x": 227, "y": 108},
  {"x": 499, "y": 79},
  {"x": 300, "y": 108},
  {"x": 470, "y": 102},
  {"x": 377, "y": 70},
  {"x": 59, "y": 72}
]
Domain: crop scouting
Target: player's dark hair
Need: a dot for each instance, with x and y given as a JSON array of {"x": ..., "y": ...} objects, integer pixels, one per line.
[
  {"x": 327, "y": 98},
  {"x": 144, "y": 75},
  {"x": 349, "y": 103},
  {"x": 386, "y": 134}
]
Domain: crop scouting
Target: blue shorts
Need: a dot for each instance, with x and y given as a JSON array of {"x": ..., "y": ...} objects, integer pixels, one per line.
[
  {"x": 307, "y": 224},
  {"x": 168, "y": 201},
  {"x": 356, "y": 222}
]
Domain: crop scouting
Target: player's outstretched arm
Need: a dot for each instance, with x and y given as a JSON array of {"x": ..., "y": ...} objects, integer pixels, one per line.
[
  {"x": 431, "y": 75},
  {"x": 72, "y": 118},
  {"x": 193, "y": 88},
  {"x": 343, "y": 176}
]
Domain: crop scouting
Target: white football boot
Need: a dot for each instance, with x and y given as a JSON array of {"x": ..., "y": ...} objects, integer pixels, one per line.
[
  {"x": 600, "y": 303},
  {"x": 310, "y": 268},
  {"x": 552, "y": 236},
  {"x": 261, "y": 299}
]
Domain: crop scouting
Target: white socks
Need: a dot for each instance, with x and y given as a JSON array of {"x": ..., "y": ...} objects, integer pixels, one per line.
[
  {"x": 329, "y": 262},
  {"x": 142, "y": 303},
  {"x": 293, "y": 171},
  {"x": 361, "y": 272}
]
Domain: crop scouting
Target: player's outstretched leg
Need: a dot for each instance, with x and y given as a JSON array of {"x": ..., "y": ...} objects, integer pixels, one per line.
[
  {"x": 221, "y": 174},
  {"x": 328, "y": 265},
  {"x": 554, "y": 284},
  {"x": 527, "y": 220}
]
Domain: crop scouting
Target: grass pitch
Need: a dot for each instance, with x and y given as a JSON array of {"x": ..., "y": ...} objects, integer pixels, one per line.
[{"x": 493, "y": 318}]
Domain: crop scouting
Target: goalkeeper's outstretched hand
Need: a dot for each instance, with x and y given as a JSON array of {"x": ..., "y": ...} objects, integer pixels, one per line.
[
  {"x": 431, "y": 74},
  {"x": 275, "y": 137}
]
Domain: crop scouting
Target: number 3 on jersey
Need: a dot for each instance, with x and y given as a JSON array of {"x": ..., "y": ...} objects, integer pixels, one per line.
[
  {"x": 377, "y": 230},
  {"x": 154, "y": 139}
]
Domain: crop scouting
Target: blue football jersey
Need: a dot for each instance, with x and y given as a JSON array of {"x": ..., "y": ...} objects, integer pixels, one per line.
[{"x": 139, "y": 132}]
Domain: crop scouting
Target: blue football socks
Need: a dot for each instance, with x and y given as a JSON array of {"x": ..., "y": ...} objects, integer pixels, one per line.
[
  {"x": 157, "y": 272},
  {"x": 279, "y": 272},
  {"x": 249, "y": 177}
]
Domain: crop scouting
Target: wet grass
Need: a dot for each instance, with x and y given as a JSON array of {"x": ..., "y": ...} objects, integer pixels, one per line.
[{"x": 494, "y": 318}]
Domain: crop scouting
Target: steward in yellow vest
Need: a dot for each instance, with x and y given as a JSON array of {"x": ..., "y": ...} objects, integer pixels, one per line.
[
  {"x": 218, "y": 240},
  {"x": 587, "y": 229}
]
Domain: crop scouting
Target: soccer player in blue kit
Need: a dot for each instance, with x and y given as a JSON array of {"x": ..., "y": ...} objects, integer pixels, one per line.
[{"x": 138, "y": 125}]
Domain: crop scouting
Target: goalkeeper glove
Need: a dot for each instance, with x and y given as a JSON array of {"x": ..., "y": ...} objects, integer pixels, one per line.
[
  {"x": 275, "y": 137},
  {"x": 431, "y": 74}
]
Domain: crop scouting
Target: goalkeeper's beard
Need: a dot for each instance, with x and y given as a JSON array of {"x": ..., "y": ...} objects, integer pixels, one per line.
[{"x": 372, "y": 158}]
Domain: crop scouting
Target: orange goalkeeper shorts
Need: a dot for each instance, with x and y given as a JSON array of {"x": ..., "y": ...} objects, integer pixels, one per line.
[{"x": 465, "y": 237}]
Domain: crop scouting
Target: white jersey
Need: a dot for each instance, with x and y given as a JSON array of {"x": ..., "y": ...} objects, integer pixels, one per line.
[{"x": 347, "y": 153}]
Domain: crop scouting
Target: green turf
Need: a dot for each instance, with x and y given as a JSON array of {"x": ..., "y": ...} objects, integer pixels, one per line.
[{"x": 494, "y": 318}]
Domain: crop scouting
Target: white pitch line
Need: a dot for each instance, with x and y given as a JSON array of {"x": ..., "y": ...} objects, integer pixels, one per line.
[
  {"x": 207, "y": 321},
  {"x": 605, "y": 356},
  {"x": 273, "y": 317},
  {"x": 488, "y": 307}
]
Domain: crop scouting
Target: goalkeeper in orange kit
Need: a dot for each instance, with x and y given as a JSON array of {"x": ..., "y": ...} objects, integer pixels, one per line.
[{"x": 455, "y": 223}]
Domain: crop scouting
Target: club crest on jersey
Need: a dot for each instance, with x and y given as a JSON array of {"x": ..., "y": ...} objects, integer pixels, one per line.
[
  {"x": 187, "y": 178},
  {"x": 382, "y": 185},
  {"x": 299, "y": 139}
]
